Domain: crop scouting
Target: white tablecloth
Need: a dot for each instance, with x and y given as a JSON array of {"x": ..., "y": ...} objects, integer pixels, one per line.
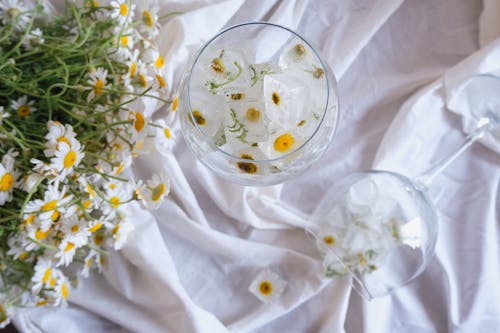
[{"x": 187, "y": 267}]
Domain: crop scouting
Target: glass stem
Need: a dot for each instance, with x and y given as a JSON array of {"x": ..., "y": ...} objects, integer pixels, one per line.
[{"x": 425, "y": 179}]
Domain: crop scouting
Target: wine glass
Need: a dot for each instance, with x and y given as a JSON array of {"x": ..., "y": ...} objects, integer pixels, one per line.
[
  {"x": 381, "y": 227},
  {"x": 257, "y": 104}
]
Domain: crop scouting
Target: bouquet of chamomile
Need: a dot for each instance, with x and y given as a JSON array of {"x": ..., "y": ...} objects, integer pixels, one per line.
[{"x": 76, "y": 96}]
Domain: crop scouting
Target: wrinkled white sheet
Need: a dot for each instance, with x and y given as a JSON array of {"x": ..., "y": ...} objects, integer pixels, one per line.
[{"x": 188, "y": 266}]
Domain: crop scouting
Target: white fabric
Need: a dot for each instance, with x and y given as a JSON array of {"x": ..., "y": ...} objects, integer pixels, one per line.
[{"x": 187, "y": 267}]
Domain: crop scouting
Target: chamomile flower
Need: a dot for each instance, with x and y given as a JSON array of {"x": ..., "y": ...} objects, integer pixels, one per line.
[
  {"x": 156, "y": 59},
  {"x": 44, "y": 273},
  {"x": 164, "y": 138},
  {"x": 93, "y": 259},
  {"x": 66, "y": 158},
  {"x": 132, "y": 63},
  {"x": 117, "y": 194},
  {"x": 3, "y": 114},
  {"x": 58, "y": 133},
  {"x": 8, "y": 178},
  {"x": 52, "y": 207},
  {"x": 23, "y": 107},
  {"x": 97, "y": 82},
  {"x": 66, "y": 252},
  {"x": 33, "y": 39},
  {"x": 29, "y": 180},
  {"x": 75, "y": 231},
  {"x": 149, "y": 19},
  {"x": 157, "y": 188},
  {"x": 122, "y": 10},
  {"x": 267, "y": 286},
  {"x": 14, "y": 11},
  {"x": 61, "y": 289},
  {"x": 120, "y": 233}
]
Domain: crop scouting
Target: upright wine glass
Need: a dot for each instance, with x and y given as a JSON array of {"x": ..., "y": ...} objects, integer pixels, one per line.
[
  {"x": 381, "y": 227},
  {"x": 258, "y": 104}
]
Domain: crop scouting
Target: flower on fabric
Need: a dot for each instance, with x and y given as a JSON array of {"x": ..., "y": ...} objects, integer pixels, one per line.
[
  {"x": 149, "y": 19},
  {"x": 23, "y": 107},
  {"x": 267, "y": 286},
  {"x": 164, "y": 138},
  {"x": 8, "y": 178},
  {"x": 117, "y": 194},
  {"x": 66, "y": 158},
  {"x": 155, "y": 190},
  {"x": 120, "y": 233},
  {"x": 97, "y": 82},
  {"x": 61, "y": 289}
]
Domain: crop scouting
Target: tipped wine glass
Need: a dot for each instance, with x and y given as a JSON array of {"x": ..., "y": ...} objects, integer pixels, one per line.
[{"x": 381, "y": 227}]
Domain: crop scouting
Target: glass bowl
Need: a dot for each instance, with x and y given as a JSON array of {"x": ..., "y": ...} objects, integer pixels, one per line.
[
  {"x": 380, "y": 227},
  {"x": 257, "y": 104}
]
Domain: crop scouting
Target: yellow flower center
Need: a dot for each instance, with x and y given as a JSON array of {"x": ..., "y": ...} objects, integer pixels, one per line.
[
  {"x": 139, "y": 122},
  {"x": 69, "y": 159},
  {"x": 52, "y": 282},
  {"x": 39, "y": 235},
  {"x": 266, "y": 288},
  {"x": 86, "y": 204},
  {"x": 112, "y": 186},
  {"x": 49, "y": 205},
  {"x": 362, "y": 260},
  {"x": 55, "y": 216},
  {"x": 42, "y": 303},
  {"x": 253, "y": 115},
  {"x": 64, "y": 290},
  {"x": 283, "y": 143},
  {"x": 167, "y": 133},
  {"x": 133, "y": 68},
  {"x": 23, "y": 111},
  {"x": 123, "y": 9},
  {"x": 175, "y": 104},
  {"x": 158, "y": 191},
  {"x": 23, "y": 255},
  {"x": 142, "y": 78},
  {"x": 122, "y": 166},
  {"x": 29, "y": 219},
  {"x": 95, "y": 3},
  {"x": 198, "y": 118},
  {"x": 124, "y": 41},
  {"x": 147, "y": 18},
  {"x": 161, "y": 81},
  {"x": 159, "y": 62},
  {"x": 96, "y": 227},
  {"x": 218, "y": 66},
  {"x": 46, "y": 275},
  {"x": 116, "y": 229},
  {"x": 69, "y": 247},
  {"x": 98, "y": 86},
  {"x": 300, "y": 50},
  {"x": 75, "y": 229},
  {"x": 115, "y": 201},
  {"x": 98, "y": 239},
  {"x": 276, "y": 98},
  {"x": 247, "y": 166},
  {"x": 330, "y": 240},
  {"x": 6, "y": 182},
  {"x": 63, "y": 139}
]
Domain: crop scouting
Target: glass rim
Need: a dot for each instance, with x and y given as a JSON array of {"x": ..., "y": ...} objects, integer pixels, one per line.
[{"x": 329, "y": 75}]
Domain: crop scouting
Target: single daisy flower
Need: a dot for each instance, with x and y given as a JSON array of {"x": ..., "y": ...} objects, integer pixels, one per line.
[
  {"x": 117, "y": 194},
  {"x": 157, "y": 188},
  {"x": 122, "y": 10},
  {"x": 267, "y": 286},
  {"x": 120, "y": 233},
  {"x": 149, "y": 19},
  {"x": 75, "y": 231},
  {"x": 23, "y": 107},
  {"x": 66, "y": 158},
  {"x": 8, "y": 178},
  {"x": 93, "y": 259},
  {"x": 44, "y": 272},
  {"x": 66, "y": 252},
  {"x": 97, "y": 82},
  {"x": 61, "y": 289}
]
